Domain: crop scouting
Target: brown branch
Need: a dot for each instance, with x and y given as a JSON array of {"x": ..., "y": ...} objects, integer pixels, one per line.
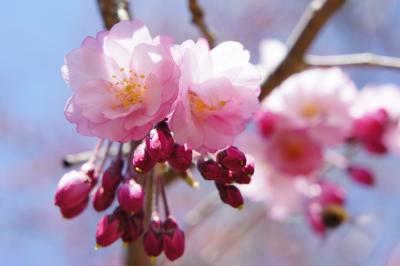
[
  {"x": 312, "y": 21},
  {"x": 198, "y": 20},
  {"x": 353, "y": 60},
  {"x": 113, "y": 11}
]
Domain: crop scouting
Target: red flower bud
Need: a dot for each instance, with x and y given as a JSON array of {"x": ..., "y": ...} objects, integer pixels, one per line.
[
  {"x": 266, "y": 122},
  {"x": 102, "y": 199},
  {"x": 361, "y": 175},
  {"x": 371, "y": 126},
  {"x": 211, "y": 170},
  {"x": 375, "y": 147},
  {"x": 112, "y": 176},
  {"x": 181, "y": 158},
  {"x": 174, "y": 239},
  {"x": 72, "y": 192},
  {"x": 142, "y": 161},
  {"x": 131, "y": 196},
  {"x": 109, "y": 229},
  {"x": 328, "y": 193},
  {"x": 134, "y": 228},
  {"x": 230, "y": 195},
  {"x": 244, "y": 176},
  {"x": 153, "y": 238},
  {"x": 160, "y": 143},
  {"x": 232, "y": 158}
]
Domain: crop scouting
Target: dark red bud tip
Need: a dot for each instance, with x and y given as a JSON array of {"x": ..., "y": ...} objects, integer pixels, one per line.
[
  {"x": 230, "y": 195},
  {"x": 112, "y": 176},
  {"x": 211, "y": 170},
  {"x": 232, "y": 158},
  {"x": 266, "y": 122},
  {"x": 131, "y": 197},
  {"x": 142, "y": 162},
  {"x": 174, "y": 239},
  {"x": 375, "y": 147},
  {"x": 361, "y": 175},
  {"x": 181, "y": 158},
  {"x": 160, "y": 143},
  {"x": 153, "y": 238},
  {"x": 102, "y": 199},
  {"x": 109, "y": 229}
]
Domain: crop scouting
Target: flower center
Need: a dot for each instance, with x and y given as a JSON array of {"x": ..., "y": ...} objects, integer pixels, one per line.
[
  {"x": 128, "y": 88},
  {"x": 293, "y": 149},
  {"x": 199, "y": 106},
  {"x": 309, "y": 110}
]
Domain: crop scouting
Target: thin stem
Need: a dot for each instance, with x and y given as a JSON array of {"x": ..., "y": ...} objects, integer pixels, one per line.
[
  {"x": 100, "y": 167},
  {"x": 129, "y": 171},
  {"x": 120, "y": 151},
  {"x": 353, "y": 60},
  {"x": 157, "y": 196},
  {"x": 96, "y": 150},
  {"x": 164, "y": 197},
  {"x": 198, "y": 20}
]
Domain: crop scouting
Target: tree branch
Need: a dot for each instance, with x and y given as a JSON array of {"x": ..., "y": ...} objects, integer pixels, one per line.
[
  {"x": 353, "y": 60},
  {"x": 198, "y": 20},
  {"x": 114, "y": 11},
  {"x": 312, "y": 21}
]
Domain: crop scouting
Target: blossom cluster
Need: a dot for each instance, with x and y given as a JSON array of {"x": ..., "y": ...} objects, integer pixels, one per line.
[
  {"x": 315, "y": 120},
  {"x": 174, "y": 106}
]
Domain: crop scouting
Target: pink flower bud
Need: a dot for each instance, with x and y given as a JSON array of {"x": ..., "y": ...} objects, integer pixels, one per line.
[
  {"x": 232, "y": 158},
  {"x": 327, "y": 193},
  {"x": 375, "y": 147},
  {"x": 69, "y": 213},
  {"x": 73, "y": 191},
  {"x": 174, "y": 239},
  {"x": 371, "y": 126},
  {"x": 361, "y": 175},
  {"x": 102, "y": 199},
  {"x": 181, "y": 158},
  {"x": 112, "y": 176},
  {"x": 211, "y": 170},
  {"x": 134, "y": 228},
  {"x": 160, "y": 143},
  {"x": 266, "y": 122},
  {"x": 109, "y": 229},
  {"x": 230, "y": 195},
  {"x": 142, "y": 161},
  {"x": 131, "y": 196},
  {"x": 153, "y": 238}
]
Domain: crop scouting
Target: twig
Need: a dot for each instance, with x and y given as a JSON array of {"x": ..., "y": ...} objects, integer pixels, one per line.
[
  {"x": 313, "y": 19},
  {"x": 113, "y": 11},
  {"x": 198, "y": 20},
  {"x": 353, "y": 60}
]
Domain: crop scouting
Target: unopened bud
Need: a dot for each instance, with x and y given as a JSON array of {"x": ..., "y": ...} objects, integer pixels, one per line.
[
  {"x": 102, "y": 199},
  {"x": 232, "y": 158},
  {"x": 109, "y": 229},
  {"x": 112, "y": 176},
  {"x": 211, "y": 170},
  {"x": 230, "y": 195},
  {"x": 160, "y": 143},
  {"x": 153, "y": 238},
  {"x": 142, "y": 161},
  {"x": 134, "y": 228},
  {"x": 131, "y": 196},
  {"x": 181, "y": 158},
  {"x": 361, "y": 175},
  {"x": 174, "y": 239}
]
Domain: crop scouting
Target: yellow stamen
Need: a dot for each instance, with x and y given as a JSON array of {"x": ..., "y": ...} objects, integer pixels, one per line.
[{"x": 309, "y": 110}]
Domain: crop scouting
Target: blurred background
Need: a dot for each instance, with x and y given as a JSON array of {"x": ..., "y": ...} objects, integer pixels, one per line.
[{"x": 34, "y": 136}]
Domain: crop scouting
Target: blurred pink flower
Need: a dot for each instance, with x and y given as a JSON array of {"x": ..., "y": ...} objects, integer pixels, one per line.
[
  {"x": 218, "y": 93},
  {"x": 124, "y": 82},
  {"x": 319, "y": 99},
  {"x": 293, "y": 152}
]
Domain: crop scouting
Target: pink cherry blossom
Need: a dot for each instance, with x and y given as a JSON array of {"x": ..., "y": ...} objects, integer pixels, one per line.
[
  {"x": 123, "y": 80},
  {"x": 293, "y": 152},
  {"x": 218, "y": 93},
  {"x": 272, "y": 52},
  {"x": 319, "y": 99}
]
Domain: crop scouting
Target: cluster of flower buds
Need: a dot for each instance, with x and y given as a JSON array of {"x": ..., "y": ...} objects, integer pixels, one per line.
[
  {"x": 325, "y": 206},
  {"x": 369, "y": 130},
  {"x": 160, "y": 147},
  {"x": 119, "y": 225},
  {"x": 164, "y": 237},
  {"x": 231, "y": 166}
]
